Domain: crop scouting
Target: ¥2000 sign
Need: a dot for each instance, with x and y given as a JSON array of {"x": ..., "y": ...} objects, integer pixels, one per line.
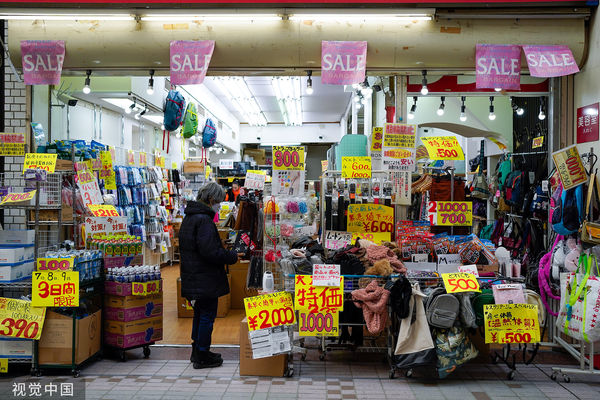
[
  {"x": 289, "y": 158},
  {"x": 450, "y": 213},
  {"x": 269, "y": 310}
]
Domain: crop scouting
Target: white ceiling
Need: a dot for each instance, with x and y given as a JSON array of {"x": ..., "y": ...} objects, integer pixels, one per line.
[{"x": 327, "y": 103}]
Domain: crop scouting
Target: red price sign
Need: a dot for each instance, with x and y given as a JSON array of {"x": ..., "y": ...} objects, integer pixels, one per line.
[
  {"x": 450, "y": 213},
  {"x": 289, "y": 158},
  {"x": 269, "y": 310},
  {"x": 457, "y": 282},
  {"x": 320, "y": 324},
  {"x": 20, "y": 320},
  {"x": 19, "y": 328},
  {"x": 55, "y": 289},
  {"x": 55, "y": 264},
  {"x": 100, "y": 210}
]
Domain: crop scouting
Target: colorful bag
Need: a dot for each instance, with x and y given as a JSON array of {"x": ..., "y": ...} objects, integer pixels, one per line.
[
  {"x": 190, "y": 121},
  {"x": 568, "y": 213},
  {"x": 454, "y": 348},
  {"x": 209, "y": 134},
  {"x": 174, "y": 106}
]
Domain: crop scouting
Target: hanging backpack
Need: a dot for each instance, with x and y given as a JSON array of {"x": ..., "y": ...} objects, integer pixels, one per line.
[
  {"x": 504, "y": 169},
  {"x": 480, "y": 188},
  {"x": 174, "y": 107},
  {"x": 442, "y": 309},
  {"x": 568, "y": 213},
  {"x": 209, "y": 134},
  {"x": 190, "y": 121},
  {"x": 513, "y": 188}
]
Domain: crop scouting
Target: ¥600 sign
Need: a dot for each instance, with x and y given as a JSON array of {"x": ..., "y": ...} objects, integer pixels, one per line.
[{"x": 356, "y": 167}]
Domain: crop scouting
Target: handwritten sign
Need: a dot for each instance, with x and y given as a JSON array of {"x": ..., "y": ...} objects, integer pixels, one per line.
[
  {"x": 326, "y": 275},
  {"x": 399, "y": 135},
  {"x": 19, "y": 319},
  {"x": 289, "y": 158},
  {"x": 399, "y": 153},
  {"x": 469, "y": 269},
  {"x": 443, "y": 148},
  {"x": 145, "y": 288},
  {"x": 370, "y": 218},
  {"x": 376, "y": 238},
  {"x": 376, "y": 143},
  {"x": 324, "y": 323},
  {"x": 511, "y": 323},
  {"x": 570, "y": 167},
  {"x": 105, "y": 226},
  {"x": 84, "y": 173},
  {"x": 537, "y": 142},
  {"x": 498, "y": 66},
  {"x": 335, "y": 240},
  {"x": 55, "y": 264},
  {"x": 3, "y": 365},
  {"x": 343, "y": 63},
  {"x": 189, "y": 60},
  {"x": 356, "y": 167},
  {"x": 18, "y": 197},
  {"x": 448, "y": 263},
  {"x": 550, "y": 61},
  {"x": 40, "y": 161},
  {"x": 318, "y": 306},
  {"x": 159, "y": 161},
  {"x": 450, "y": 213},
  {"x": 106, "y": 171},
  {"x": 102, "y": 210},
  {"x": 12, "y": 144},
  {"x": 457, "y": 282},
  {"x": 90, "y": 192},
  {"x": 42, "y": 61},
  {"x": 269, "y": 310},
  {"x": 324, "y": 165},
  {"x": 55, "y": 289},
  {"x": 255, "y": 179},
  {"x": 130, "y": 157}
]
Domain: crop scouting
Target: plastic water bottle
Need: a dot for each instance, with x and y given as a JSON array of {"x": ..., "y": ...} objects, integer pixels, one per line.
[{"x": 268, "y": 283}]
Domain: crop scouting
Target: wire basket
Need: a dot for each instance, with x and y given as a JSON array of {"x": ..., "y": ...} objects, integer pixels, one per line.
[{"x": 50, "y": 190}]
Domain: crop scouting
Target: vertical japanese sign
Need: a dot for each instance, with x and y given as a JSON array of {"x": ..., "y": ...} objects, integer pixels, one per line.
[
  {"x": 88, "y": 185},
  {"x": 42, "y": 61},
  {"x": 269, "y": 310},
  {"x": 343, "y": 63},
  {"x": 318, "y": 307},
  {"x": 106, "y": 172},
  {"x": 376, "y": 147},
  {"x": 370, "y": 218},
  {"x": 511, "y": 323},
  {"x": 570, "y": 167},
  {"x": 20, "y": 319},
  {"x": 399, "y": 151},
  {"x": 12, "y": 144},
  {"x": 550, "y": 61},
  {"x": 498, "y": 66},
  {"x": 326, "y": 275},
  {"x": 189, "y": 61},
  {"x": 55, "y": 289},
  {"x": 587, "y": 123}
]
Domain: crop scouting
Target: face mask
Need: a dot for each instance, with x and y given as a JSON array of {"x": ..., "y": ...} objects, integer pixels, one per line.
[{"x": 216, "y": 207}]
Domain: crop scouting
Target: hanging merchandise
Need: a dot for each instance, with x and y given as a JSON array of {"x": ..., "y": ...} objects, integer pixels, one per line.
[
  {"x": 454, "y": 348},
  {"x": 174, "y": 110},
  {"x": 209, "y": 134},
  {"x": 480, "y": 188},
  {"x": 190, "y": 121}
]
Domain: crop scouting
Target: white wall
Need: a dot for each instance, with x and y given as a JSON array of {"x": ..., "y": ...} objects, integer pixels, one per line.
[{"x": 308, "y": 133}]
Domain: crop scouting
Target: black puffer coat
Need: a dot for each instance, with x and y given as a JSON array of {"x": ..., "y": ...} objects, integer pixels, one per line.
[{"x": 203, "y": 257}]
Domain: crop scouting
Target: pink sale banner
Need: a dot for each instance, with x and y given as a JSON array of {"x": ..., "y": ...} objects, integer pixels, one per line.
[
  {"x": 42, "y": 61},
  {"x": 343, "y": 63},
  {"x": 498, "y": 66},
  {"x": 550, "y": 61},
  {"x": 189, "y": 61}
]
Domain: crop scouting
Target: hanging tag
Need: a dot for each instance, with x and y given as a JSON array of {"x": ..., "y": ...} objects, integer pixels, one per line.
[
  {"x": 545, "y": 186},
  {"x": 498, "y": 193},
  {"x": 531, "y": 177}
]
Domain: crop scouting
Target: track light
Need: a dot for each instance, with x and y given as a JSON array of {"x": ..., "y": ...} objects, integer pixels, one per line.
[
  {"x": 145, "y": 110},
  {"x": 542, "y": 114},
  {"x": 86, "y": 87},
  {"x": 424, "y": 89},
  {"x": 492, "y": 116},
  {"x": 498, "y": 89},
  {"x": 413, "y": 108},
  {"x": 518, "y": 110},
  {"x": 366, "y": 90},
  {"x": 463, "y": 109},
  {"x": 440, "y": 110},
  {"x": 129, "y": 109},
  {"x": 150, "y": 89},
  {"x": 309, "y": 88}
]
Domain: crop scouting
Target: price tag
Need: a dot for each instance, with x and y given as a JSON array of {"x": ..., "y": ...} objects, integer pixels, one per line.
[
  {"x": 376, "y": 238},
  {"x": 255, "y": 179},
  {"x": 457, "y": 282},
  {"x": 326, "y": 275},
  {"x": 18, "y": 197},
  {"x": 106, "y": 172},
  {"x": 450, "y": 213},
  {"x": 370, "y": 218},
  {"x": 103, "y": 210},
  {"x": 570, "y": 167},
  {"x": 160, "y": 161},
  {"x": 143, "y": 159},
  {"x": 443, "y": 148},
  {"x": 511, "y": 323},
  {"x": 55, "y": 264},
  {"x": 90, "y": 192},
  {"x": 290, "y": 158},
  {"x": 12, "y": 144},
  {"x": 469, "y": 269},
  {"x": 269, "y": 310},
  {"x": 173, "y": 165},
  {"x": 3, "y": 365},
  {"x": 537, "y": 142},
  {"x": 448, "y": 263},
  {"x": 40, "y": 161},
  {"x": 324, "y": 165},
  {"x": 376, "y": 142},
  {"x": 356, "y": 167},
  {"x": 84, "y": 172},
  {"x": 337, "y": 240},
  {"x": 319, "y": 324},
  {"x": 145, "y": 288},
  {"x": 226, "y": 163},
  {"x": 55, "y": 289},
  {"x": 19, "y": 319},
  {"x": 130, "y": 157}
]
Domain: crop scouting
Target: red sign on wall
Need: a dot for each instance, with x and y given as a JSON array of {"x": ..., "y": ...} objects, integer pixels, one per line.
[{"x": 587, "y": 123}]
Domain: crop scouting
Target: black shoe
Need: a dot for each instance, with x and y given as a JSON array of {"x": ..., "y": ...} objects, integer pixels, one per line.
[
  {"x": 196, "y": 356},
  {"x": 207, "y": 363}
]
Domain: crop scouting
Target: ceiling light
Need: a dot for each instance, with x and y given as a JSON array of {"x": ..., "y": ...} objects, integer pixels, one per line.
[
  {"x": 356, "y": 98},
  {"x": 162, "y": 127},
  {"x": 498, "y": 89},
  {"x": 288, "y": 93},
  {"x": 492, "y": 116},
  {"x": 413, "y": 108},
  {"x": 211, "y": 17},
  {"x": 150, "y": 89},
  {"x": 440, "y": 110},
  {"x": 463, "y": 109},
  {"x": 86, "y": 87},
  {"x": 424, "y": 89},
  {"x": 137, "y": 116},
  {"x": 520, "y": 111},
  {"x": 309, "y": 87},
  {"x": 68, "y": 17},
  {"x": 237, "y": 91},
  {"x": 360, "y": 15},
  {"x": 542, "y": 114}
]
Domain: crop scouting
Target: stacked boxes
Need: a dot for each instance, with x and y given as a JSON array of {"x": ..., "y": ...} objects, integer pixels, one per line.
[{"x": 17, "y": 260}]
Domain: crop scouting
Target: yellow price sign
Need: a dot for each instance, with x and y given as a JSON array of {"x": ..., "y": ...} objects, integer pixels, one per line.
[
  {"x": 160, "y": 161},
  {"x": 55, "y": 264},
  {"x": 450, "y": 213},
  {"x": 18, "y": 197},
  {"x": 457, "y": 282},
  {"x": 399, "y": 135},
  {"x": 324, "y": 165},
  {"x": 40, "y": 161},
  {"x": 537, "y": 142},
  {"x": 511, "y": 323},
  {"x": 377, "y": 139},
  {"x": 84, "y": 172},
  {"x": 106, "y": 172},
  {"x": 12, "y": 144},
  {"x": 570, "y": 167},
  {"x": 370, "y": 218},
  {"x": 130, "y": 157},
  {"x": 19, "y": 319},
  {"x": 319, "y": 324},
  {"x": 315, "y": 299},
  {"x": 55, "y": 289},
  {"x": 145, "y": 288},
  {"x": 269, "y": 310},
  {"x": 443, "y": 148},
  {"x": 290, "y": 158},
  {"x": 356, "y": 167},
  {"x": 376, "y": 238},
  {"x": 143, "y": 159},
  {"x": 3, "y": 365},
  {"x": 103, "y": 210}
]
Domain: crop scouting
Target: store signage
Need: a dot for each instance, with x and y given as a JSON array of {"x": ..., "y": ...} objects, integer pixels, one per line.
[
  {"x": 376, "y": 238},
  {"x": 105, "y": 226},
  {"x": 55, "y": 289},
  {"x": 511, "y": 323},
  {"x": 326, "y": 275},
  {"x": 159, "y": 161},
  {"x": 12, "y": 144},
  {"x": 269, "y": 310},
  {"x": 19, "y": 319},
  {"x": 226, "y": 164},
  {"x": 84, "y": 173},
  {"x": 450, "y": 213},
  {"x": 570, "y": 167},
  {"x": 143, "y": 159},
  {"x": 90, "y": 192},
  {"x": 498, "y": 66},
  {"x": 18, "y": 197},
  {"x": 190, "y": 60},
  {"x": 145, "y": 288},
  {"x": 43, "y": 161},
  {"x": 106, "y": 172},
  {"x": 370, "y": 218},
  {"x": 399, "y": 135},
  {"x": 537, "y": 142},
  {"x": 448, "y": 262},
  {"x": 587, "y": 123},
  {"x": 318, "y": 306},
  {"x": 469, "y": 269},
  {"x": 458, "y": 282},
  {"x": 42, "y": 61},
  {"x": 324, "y": 323},
  {"x": 289, "y": 158},
  {"x": 356, "y": 167},
  {"x": 103, "y": 210},
  {"x": 335, "y": 240},
  {"x": 130, "y": 157},
  {"x": 96, "y": 164},
  {"x": 550, "y": 61},
  {"x": 377, "y": 145},
  {"x": 324, "y": 165},
  {"x": 270, "y": 341},
  {"x": 443, "y": 148},
  {"x": 399, "y": 153},
  {"x": 3, "y": 365},
  {"x": 55, "y": 264},
  {"x": 343, "y": 63},
  {"x": 255, "y": 179}
]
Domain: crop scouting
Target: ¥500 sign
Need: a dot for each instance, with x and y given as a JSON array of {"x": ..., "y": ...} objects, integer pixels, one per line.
[
  {"x": 457, "y": 282},
  {"x": 450, "y": 213},
  {"x": 289, "y": 158},
  {"x": 443, "y": 148}
]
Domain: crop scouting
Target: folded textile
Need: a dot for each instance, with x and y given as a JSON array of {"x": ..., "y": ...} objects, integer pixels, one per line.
[
  {"x": 376, "y": 253},
  {"x": 373, "y": 301}
]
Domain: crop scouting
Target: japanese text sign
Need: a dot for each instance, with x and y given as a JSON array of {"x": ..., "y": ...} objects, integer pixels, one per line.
[
  {"x": 337, "y": 240},
  {"x": 498, "y": 66},
  {"x": 457, "y": 282},
  {"x": 55, "y": 264},
  {"x": 84, "y": 173},
  {"x": 145, "y": 288},
  {"x": 159, "y": 161},
  {"x": 144, "y": 159},
  {"x": 106, "y": 172},
  {"x": 399, "y": 135},
  {"x": 511, "y": 323},
  {"x": 550, "y": 61},
  {"x": 12, "y": 144},
  {"x": 40, "y": 161},
  {"x": 55, "y": 289},
  {"x": 443, "y": 148},
  {"x": 377, "y": 142},
  {"x": 130, "y": 157},
  {"x": 319, "y": 324},
  {"x": 469, "y": 269},
  {"x": 324, "y": 165},
  {"x": 587, "y": 123},
  {"x": 226, "y": 163},
  {"x": 326, "y": 275},
  {"x": 376, "y": 238},
  {"x": 105, "y": 226},
  {"x": 189, "y": 61},
  {"x": 450, "y": 213},
  {"x": 255, "y": 179},
  {"x": 90, "y": 192},
  {"x": 19, "y": 319},
  {"x": 356, "y": 167},
  {"x": 399, "y": 153},
  {"x": 101, "y": 210},
  {"x": 315, "y": 299},
  {"x": 570, "y": 167},
  {"x": 18, "y": 197},
  {"x": 269, "y": 310},
  {"x": 537, "y": 142},
  {"x": 42, "y": 61},
  {"x": 289, "y": 158},
  {"x": 370, "y": 218},
  {"x": 343, "y": 63}
]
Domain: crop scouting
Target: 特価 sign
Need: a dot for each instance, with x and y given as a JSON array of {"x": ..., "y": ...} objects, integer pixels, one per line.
[
  {"x": 289, "y": 158},
  {"x": 457, "y": 282},
  {"x": 356, "y": 167},
  {"x": 450, "y": 213},
  {"x": 269, "y": 310},
  {"x": 443, "y": 148},
  {"x": 318, "y": 306},
  {"x": 19, "y": 319},
  {"x": 570, "y": 167},
  {"x": 511, "y": 323},
  {"x": 40, "y": 161},
  {"x": 370, "y": 218}
]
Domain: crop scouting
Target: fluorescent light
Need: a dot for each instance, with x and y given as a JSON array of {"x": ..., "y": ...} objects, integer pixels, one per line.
[
  {"x": 237, "y": 91},
  {"x": 279, "y": 144},
  {"x": 288, "y": 92},
  {"x": 211, "y": 17},
  {"x": 69, "y": 17},
  {"x": 347, "y": 15}
]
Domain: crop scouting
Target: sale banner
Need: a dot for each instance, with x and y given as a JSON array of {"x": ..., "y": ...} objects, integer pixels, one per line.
[
  {"x": 537, "y": 142},
  {"x": 40, "y": 161},
  {"x": 103, "y": 210},
  {"x": 105, "y": 226},
  {"x": 498, "y": 66},
  {"x": 55, "y": 289},
  {"x": 511, "y": 323},
  {"x": 130, "y": 157},
  {"x": 255, "y": 179},
  {"x": 326, "y": 275},
  {"x": 145, "y": 288},
  {"x": 319, "y": 324},
  {"x": 189, "y": 61},
  {"x": 587, "y": 123},
  {"x": 290, "y": 158},
  {"x": 269, "y": 310},
  {"x": 570, "y": 167},
  {"x": 356, "y": 167},
  {"x": 12, "y": 144},
  {"x": 370, "y": 218},
  {"x": 450, "y": 213},
  {"x": 19, "y": 319},
  {"x": 443, "y": 148},
  {"x": 343, "y": 63},
  {"x": 314, "y": 299},
  {"x": 55, "y": 264},
  {"x": 376, "y": 238},
  {"x": 550, "y": 61},
  {"x": 335, "y": 240},
  {"x": 18, "y": 197},
  {"x": 458, "y": 282},
  {"x": 42, "y": 61}
]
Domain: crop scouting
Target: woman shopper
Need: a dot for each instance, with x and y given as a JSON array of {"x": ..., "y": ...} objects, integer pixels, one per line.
[{"x": 203, "y": 276}]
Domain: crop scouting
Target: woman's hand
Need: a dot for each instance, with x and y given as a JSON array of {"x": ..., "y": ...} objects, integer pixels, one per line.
[{"x": 240, "y": 255}]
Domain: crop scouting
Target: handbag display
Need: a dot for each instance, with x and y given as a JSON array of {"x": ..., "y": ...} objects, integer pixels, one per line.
[
  {"x": 454, "y": 348},
  {"x": 590, "y": 231}
]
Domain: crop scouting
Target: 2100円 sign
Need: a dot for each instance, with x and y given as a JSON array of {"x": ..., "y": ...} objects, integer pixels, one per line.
[
  {"x": 55, "y": 289},
  {"x": 269, "y": 310}
]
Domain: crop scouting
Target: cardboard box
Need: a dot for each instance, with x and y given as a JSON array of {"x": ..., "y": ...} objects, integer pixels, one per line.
[
  {"x": 17, "y": 237},
  {"x": 194, "y": 167},
  {"x": 15, "y": 348},
  {"x": 185, "y": 310},
  {"x": 52, "y": 215},
  {"x": 239, "y": 277},
  {"x": 64, "y": 165},
  {"x": 487, "y": 268},
  {"x": 269, "y": 366},
  {"x": 257, "y": 154},
  {"x": 133, "y": 333},
  {"x": 16, "y": 271},
  {"x": 56, "y": 341},
  {"x": 10, "y": 254},
  {"x": 132, "y": 308}
]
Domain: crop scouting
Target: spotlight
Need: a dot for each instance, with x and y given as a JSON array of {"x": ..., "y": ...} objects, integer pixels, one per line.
[
  {"x": 366, "y": 90},
  {"x": 440, "y": 110},
  {"x": 424, "y": 89},
  {"x": 542, "y": 114},
  {"x": 413, "y": 108},
  {"x": 492, "y": 116},
  {"x": 162, "y": 127},
  {"x": 518, "y": 110},
  {"x": 363, "y": 101},
  {"x": 86, "y": 87},
  {"x": 137, "y": 116},
  {"x": 129, "y": 109},
  {"x": 150, "y": 89},
  {"x": 498, "y": 89},
  {"x": 463, "y": 109},
  {"x": 144, "y": 111},
  {"x": 309, "y": 88}
]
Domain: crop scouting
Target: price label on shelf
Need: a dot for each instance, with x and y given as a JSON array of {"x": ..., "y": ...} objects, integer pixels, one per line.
[
  {"x": 537, "y": 142},
  {"x": 356, "y": 167},
  {"x": 269, "y": 310},
  {"x": 84, "y": 172},
  {"x": 55, "y": 264},
  {"x": 55, "y": 289},
  {"x": 3, "y": 365},
  {"x": 145, "y": 288},
  {"x": 570, "y": 167},
  {"x": 19, "y": 319},
  {"x": 18, "y": 197},
  {"x": 40, "y": 161},
  {"x": 443, "y": 148},
  {"x": 511, "y": 323},
  {"x": 319, "y": 324},
  {"x": 103, "y": 210},
  {"x": 130, "y": 157},
  {"x": 450, "y": 213},
  {"x": 143, "y": 159},
  {"x": 457, "y": 282},
  {"x": 289, "y": 158},
  {"x": 370, "y": 218}
]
